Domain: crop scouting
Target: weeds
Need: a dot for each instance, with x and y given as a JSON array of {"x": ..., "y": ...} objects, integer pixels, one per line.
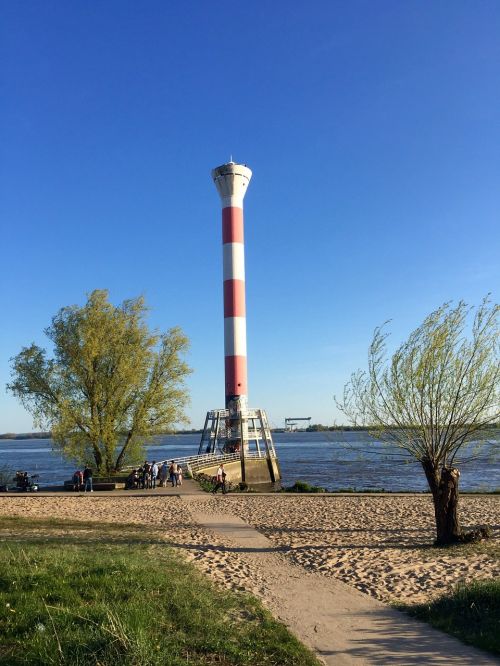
[
  {"x": 471, "y": 613},
  {"x": 80, "y": 594}
]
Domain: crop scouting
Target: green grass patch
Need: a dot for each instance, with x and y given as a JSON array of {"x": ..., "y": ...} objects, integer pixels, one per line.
[
  {"x": 87, "y": 593},
  {"x": 489, "y": 547},
  {"x": 471, "y": 613}
]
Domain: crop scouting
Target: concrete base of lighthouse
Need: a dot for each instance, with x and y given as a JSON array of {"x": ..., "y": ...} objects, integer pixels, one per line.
[
  {"x": 243, "y": 441},
  {"x": 257, "y": 475}
]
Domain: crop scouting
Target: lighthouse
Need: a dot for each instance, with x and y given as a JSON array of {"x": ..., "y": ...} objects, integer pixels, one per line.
[
  {"x": 237, "y": 435},
  {"x": 231, "y": 181}
]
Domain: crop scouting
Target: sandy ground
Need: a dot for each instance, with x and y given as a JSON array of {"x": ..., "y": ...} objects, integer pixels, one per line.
[
  {"x": 377, "y": 544},
  {"x": 343, "y": 626}
]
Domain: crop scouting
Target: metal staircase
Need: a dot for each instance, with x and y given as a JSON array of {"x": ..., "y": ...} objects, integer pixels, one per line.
[
  {"x": 245, "y": 435},
  {"x": 266, "y": 432}
]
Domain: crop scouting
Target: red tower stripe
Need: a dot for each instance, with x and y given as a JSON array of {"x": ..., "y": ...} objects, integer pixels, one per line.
[
  {"x": 236, "y": 375},
  {"x": 234, "y": 298},
  {"x": 232, "y": 225}
]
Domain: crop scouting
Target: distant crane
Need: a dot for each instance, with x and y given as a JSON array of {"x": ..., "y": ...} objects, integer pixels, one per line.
[{"x": 291, "y": 422}]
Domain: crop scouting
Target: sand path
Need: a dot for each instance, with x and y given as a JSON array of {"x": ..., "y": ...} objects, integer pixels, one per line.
[
  {"x": 343, "y": 626},
  {"x": 287, "y": 551}
]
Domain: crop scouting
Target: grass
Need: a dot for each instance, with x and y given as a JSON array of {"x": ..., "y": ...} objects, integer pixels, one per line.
[
  {"x": 471, "y": 613},
  {"x": 84, "y": 593},
  {"x": 489, "y": 547}
]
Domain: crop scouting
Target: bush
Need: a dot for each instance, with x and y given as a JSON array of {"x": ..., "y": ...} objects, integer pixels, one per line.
[
  {"x": 207, "y": 483},
  {"x": 6, "y": 477},
  {"x": 303, "y": 487}
]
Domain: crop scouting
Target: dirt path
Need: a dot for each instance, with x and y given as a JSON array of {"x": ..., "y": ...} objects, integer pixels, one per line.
[{"x": 343, "y": 626}]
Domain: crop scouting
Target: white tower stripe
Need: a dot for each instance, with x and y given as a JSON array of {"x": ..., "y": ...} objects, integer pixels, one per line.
[
  {"x": 233, "y": 261},
  {"x": 235, "y": 337},
  {"x": 232, "y": 202}
]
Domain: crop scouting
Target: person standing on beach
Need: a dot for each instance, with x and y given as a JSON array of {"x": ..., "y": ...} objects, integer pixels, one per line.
[
  {"x": 146, "y": 475},
  {"x": 221, "y": 480},
  {"x": 77, "y": 480},
  {"x": 178, "y": 475},
  {"x": 87, "y": 479},
  {"x": 171, "y": 470},
  {"x": 163, "y": 474},
  {"x": 154, "y": 474}
]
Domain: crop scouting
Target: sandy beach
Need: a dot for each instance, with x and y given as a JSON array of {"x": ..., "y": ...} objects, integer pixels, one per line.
[{"x": 376, "y": 544}]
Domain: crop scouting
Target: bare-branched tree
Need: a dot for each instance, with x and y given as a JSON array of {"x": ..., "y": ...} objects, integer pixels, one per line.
[{"x": 439, "y": 392}]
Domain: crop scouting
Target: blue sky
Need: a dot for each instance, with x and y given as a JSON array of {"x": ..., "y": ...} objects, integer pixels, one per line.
[{"x": 372, "y": 129}]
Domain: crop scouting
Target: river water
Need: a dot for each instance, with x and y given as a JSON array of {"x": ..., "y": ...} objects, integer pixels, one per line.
[{"x": 334, "y": 460}]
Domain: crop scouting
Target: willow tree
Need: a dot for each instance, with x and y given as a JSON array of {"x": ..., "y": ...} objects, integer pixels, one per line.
[
  {"x": 111, "y": 384},
  {"x": 438, "y": 393}
]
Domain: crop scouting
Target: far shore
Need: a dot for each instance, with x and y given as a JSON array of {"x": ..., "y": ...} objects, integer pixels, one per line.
[{"x": 198, "y": 431}]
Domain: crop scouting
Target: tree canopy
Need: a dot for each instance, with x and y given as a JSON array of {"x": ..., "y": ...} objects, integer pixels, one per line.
[
  {"x": 110, "y": 385},
  {"x": 439, "y": 391}
]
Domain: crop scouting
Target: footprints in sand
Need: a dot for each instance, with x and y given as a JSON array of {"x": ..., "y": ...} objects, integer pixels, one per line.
[
  {"x": 371, "y": 543},
  {"x": 375, "y": 544}
]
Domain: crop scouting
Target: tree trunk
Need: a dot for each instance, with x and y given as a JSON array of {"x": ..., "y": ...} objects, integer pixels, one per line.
[
  {"x": 97, "y": 456},
  {"x": 119, "y": 460},
  {"x": 443, "y": 483}
]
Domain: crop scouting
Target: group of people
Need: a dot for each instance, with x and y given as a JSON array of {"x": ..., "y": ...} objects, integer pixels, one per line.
[
  {"x": 83, "y": 480},
  {"x": 150, "y": 474},
  {"x": 25, "y": 482}
]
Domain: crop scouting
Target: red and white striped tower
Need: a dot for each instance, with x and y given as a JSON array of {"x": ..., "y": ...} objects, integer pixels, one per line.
[
  {"x": 236, "y": 429},
  {"x": 232, "y": 182}
]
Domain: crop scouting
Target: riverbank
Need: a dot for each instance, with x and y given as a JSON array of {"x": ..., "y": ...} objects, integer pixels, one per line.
[
  {"x": 378, "y": 544},
  {"x": 298, "y": 562},
  {"x": 331, "y": 460}
]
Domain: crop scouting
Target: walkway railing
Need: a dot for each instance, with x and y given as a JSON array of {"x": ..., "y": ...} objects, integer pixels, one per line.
[{"x": 196, "y": 462}]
